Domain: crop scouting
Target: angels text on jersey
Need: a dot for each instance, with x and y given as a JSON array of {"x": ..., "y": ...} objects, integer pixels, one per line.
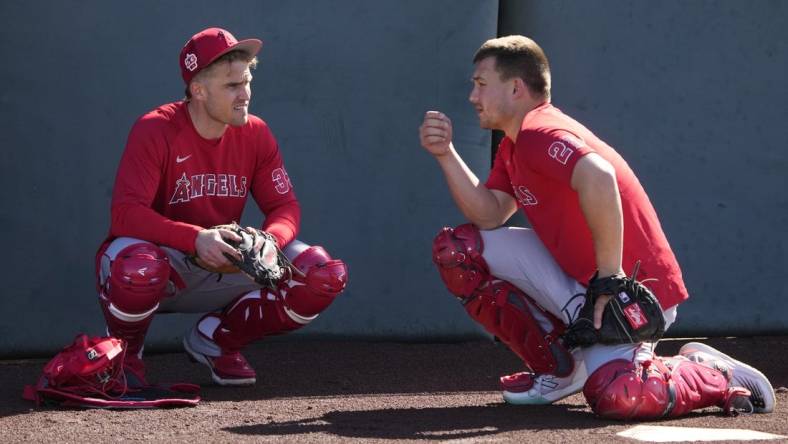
[
  {"x": 222, "y": 185},
  {"x": 199, "y": 185},
  {"x": 524, "y": 195}
]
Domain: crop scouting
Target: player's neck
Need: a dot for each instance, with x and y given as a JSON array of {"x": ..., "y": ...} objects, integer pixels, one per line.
[
  {"x": 206, "y": 126},
  {"x": 513, "y": 125}
]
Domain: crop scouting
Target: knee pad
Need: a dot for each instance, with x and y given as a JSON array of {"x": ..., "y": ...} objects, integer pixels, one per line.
[
  {"x": 137, "y": 282},
  {"x": 658, "y": 388},
  {"x": 315, "y": 284},
  {"x": 457, "y": 252},
  {"x": 509, "y": 314}
]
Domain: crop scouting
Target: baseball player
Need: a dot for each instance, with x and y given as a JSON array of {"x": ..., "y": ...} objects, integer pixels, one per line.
[
  {"x": 189, "y": 166},
  {"x": 590, "y": 217}
]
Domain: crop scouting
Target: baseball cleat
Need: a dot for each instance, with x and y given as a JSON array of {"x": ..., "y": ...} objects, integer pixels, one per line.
[
  {"x": 228, "y": 369},
  {"x": 525, "y": 388},
  {"x": 740, "y": 374}
]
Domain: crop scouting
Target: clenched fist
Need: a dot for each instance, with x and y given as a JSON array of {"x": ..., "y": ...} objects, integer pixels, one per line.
[{"x": 435, "y": 133}]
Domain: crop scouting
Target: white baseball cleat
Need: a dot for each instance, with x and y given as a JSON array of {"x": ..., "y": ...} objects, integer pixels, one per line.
[
  {"x": 525, "y": 388},
  {"x": 741, "y": 375}
]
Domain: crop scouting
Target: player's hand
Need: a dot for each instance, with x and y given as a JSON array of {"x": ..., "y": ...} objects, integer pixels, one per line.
[
  {"x": 210, "y": 247},
  {"x": 602, "y": 301},
  {"x": 267, "y": 251},
  {"x": 259, "y": 240},
  {"x": 435, "y": 133},
  {"x": 599, "y": 308}
]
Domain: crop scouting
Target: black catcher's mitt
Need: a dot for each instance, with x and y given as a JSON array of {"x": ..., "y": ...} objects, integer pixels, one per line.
[
  {"x": 633, "y": 315},
  {"x": 266, "y": 267}
]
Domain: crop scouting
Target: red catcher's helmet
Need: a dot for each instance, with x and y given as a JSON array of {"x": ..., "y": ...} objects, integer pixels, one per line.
[{"x": 89, "y": 365}]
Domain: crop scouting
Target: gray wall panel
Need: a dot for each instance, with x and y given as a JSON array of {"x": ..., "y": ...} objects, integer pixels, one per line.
[
  {"x": 343, "y": 84},
  {"x": 693, "y": 94}
]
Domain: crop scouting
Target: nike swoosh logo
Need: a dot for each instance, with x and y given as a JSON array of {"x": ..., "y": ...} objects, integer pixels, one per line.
[{"x": 180, "y": 159}]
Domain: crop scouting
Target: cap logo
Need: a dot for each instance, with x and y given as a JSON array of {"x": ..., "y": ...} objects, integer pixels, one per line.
[{"x": 190, "y": 62}]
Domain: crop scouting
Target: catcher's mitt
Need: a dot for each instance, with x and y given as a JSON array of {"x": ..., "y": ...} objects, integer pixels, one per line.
[
  {"x": 632, "y": 315},
  {"x": 266, "y": 266}
]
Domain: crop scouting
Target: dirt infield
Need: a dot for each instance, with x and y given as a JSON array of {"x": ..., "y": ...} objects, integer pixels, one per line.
[{"x": 329, "y": 391}]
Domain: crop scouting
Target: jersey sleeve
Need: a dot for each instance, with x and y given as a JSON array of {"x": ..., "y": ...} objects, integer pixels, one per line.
[
  {"x": 136, "y": 183},
  {"x": 553, "y": 154},
  {"x": 499, "y": 176},
  {"x": 273, "y": 191}
]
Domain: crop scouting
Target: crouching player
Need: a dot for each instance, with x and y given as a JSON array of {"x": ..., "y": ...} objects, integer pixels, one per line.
[
  {"x": 590, "y": 216},
  {"x": 188, "y": 166}
]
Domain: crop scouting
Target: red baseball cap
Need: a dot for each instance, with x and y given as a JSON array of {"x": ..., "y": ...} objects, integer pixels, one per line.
[{"x": 208, "y": 45}]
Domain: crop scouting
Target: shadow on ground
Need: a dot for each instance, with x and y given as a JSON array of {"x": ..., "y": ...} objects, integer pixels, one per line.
[{"x": 431, "y": 423}]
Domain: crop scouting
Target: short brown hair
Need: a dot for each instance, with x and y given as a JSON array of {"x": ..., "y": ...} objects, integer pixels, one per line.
[
  {"x": 230, "y": 57},
  {"x": 518, "y": 56}
]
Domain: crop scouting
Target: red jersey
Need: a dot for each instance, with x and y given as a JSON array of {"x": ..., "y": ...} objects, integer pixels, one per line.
[
  {"x": 537, "y": 172},
  {"x": 172, "y": 183}
]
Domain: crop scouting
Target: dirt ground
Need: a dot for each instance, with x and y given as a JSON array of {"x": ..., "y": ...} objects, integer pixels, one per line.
[{"x": 343, "y": 391}]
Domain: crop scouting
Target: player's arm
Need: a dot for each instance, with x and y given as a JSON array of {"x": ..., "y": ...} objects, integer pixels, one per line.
[
  {"x": 273, "y": 192},
  {"x": 594, "y": 180},
  {"x": 485, "y": 208},
  {"x": 282, "y": 221}
]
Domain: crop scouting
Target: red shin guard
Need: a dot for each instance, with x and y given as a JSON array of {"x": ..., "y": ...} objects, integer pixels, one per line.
[
  {"x": 508, "y": 313},
  {"x": 293, "y": 305},
  {"x": 131, "y": 293},
  {"x": 654, "y": 389},
  {"x": 501, "y": 308}
]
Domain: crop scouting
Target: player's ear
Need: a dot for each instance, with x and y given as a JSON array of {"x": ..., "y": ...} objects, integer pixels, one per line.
[
  {"x": 519, "y": 88},
  {"x": 197, "y": 88}
]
